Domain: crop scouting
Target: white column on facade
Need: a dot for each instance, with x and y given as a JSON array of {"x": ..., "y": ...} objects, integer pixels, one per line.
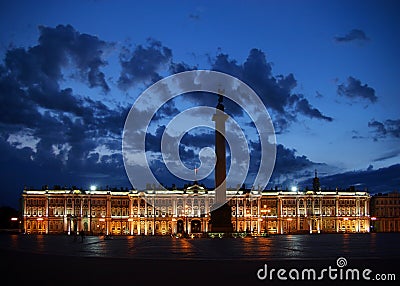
[
  {"x": 24, "y": 215},
  {"x": 321, "y": 218},
  {"x": 367, "y": 225},
  {"x": 153, "y": 229},
  {"x": 108, "y": 213},
  {"x": 72, "y": 220},
  {"x": 46, "y": 214},
  {"x": 297, "y": 213},
  {"x": 337, "y": 206},
  {"x": 68, "y": 220},
  {"x": 73, "y": 206},
  {"x": 206, "y": 207},
  {"x": 90, "y": 213},
  {"x": 244, "y": 213},
  {"x": 46, "y": 207},
  {"x": 337, "y": 213},
  {"x": 174, "y": 226},
  {"x": 237, "y": 213},
  {"x": 130, "y": 225},
  {"x": 145, "y": 207},
  {"x": 65, "y": 215},
  {"x": 259, "y": 216},
  {"x": 251, "y": 214},
  {"x": 130, "y": 215},
  {"x": 80, "y": 226}
]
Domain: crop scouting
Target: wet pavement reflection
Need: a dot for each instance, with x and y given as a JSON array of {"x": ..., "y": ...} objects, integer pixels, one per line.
[{"x": 322, "y": 246}]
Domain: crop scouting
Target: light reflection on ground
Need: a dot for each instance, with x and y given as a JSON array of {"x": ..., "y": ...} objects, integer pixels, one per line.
[{"x": 322, "y": 246}]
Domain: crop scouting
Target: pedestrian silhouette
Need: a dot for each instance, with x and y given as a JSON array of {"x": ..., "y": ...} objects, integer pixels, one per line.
[{"x": 82, "y": 233}]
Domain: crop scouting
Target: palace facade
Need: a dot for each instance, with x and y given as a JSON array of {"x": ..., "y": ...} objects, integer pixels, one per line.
[
  {"x": 187, "y": 211},
  {"x": 385, "y": 212}
]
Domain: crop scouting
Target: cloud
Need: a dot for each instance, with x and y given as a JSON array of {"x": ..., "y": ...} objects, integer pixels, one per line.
[
  {"x": 356, "y": 135},
  {"x": 76, "y": 138},
  {"x": 190, "y": 144},
  {"x": 289, "y": 162},
  {"x": 64, "y": 43},
  {"x": 289, "y": 166},
  {"x": 180, "y": 67},
  {"x": 275, "y": 91},
  {"x": 30, "y": 78},
  {"x": 304, "y": 107},
  {"x": 388, "y": 155},
  {"x": 194, "y": 16},
  {"x": 375, "y": 181},
  {"x": 354, "y": 89},
  {"x": 143, "y": 64},
  {"x": 72, "y": 137},
  {"x": 353, "y": 35},
  {"x": 167, "y": 110},
  {"x": 388, "y": 128}
]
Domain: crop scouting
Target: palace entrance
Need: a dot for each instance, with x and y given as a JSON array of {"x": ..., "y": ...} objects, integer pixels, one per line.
[{"x": 195, "y": 225}]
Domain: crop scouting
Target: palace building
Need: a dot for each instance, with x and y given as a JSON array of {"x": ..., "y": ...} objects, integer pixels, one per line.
[
  {"x": 187, "y": 211},
  {"x": 385, "y": 212},
  {"x": 195, "y": 210}
]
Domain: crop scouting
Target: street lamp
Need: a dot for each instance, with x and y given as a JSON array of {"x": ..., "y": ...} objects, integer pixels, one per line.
[{"x": 373, "y": 226}]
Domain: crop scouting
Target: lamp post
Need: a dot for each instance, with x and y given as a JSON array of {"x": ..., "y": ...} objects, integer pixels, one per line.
[{"x": 373, "y": 226}]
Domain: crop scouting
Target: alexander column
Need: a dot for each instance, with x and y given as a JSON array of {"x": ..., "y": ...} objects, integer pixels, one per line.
[{"x": 221, "y": 213}]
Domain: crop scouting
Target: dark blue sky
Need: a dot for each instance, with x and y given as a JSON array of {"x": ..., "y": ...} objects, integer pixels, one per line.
[{"x": 327, "y": 72}]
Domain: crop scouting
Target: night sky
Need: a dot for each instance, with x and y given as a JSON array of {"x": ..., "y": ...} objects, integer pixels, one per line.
[{"x": 327, "y": 72}]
